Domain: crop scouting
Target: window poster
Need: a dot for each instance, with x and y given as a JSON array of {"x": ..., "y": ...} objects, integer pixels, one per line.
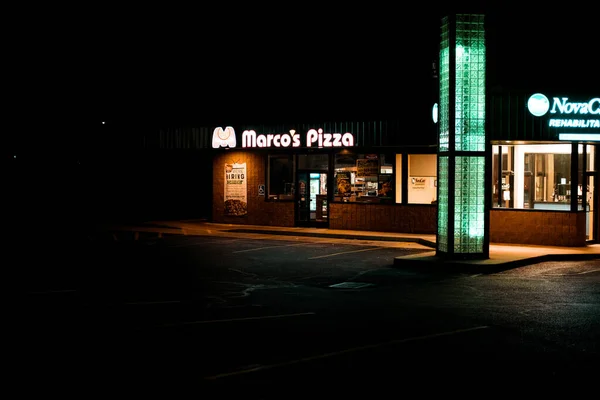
[
  {"x": 236, "y": 192},
  {"x": 386, "y": 186},
  {"x": 422, "y": 189},
  {"x": 418, "y": 183},
  {"x": 344, "y": 188}
]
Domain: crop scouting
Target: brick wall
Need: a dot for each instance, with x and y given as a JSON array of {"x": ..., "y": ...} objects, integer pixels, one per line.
[
  {"x": 546, "y": 228},
  {"x": 412, "y": 218},
  {"x": 260, "y": 212}
]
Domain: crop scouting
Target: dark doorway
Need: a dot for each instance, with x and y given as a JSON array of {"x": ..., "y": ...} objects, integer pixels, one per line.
[{"x": 311, "y": 202}]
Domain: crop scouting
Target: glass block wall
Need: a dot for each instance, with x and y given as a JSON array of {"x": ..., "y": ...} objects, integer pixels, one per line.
[
  {"x": 461, "y": 151},
  {"x": 469, "y": 184},
  {"x": 469, "y": 117},
  {"x": 444, "y": 76},
  {"x": 442, "y": 229}
]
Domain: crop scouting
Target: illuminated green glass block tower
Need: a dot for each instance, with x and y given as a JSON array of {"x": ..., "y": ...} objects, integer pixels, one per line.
[{"x": 463, "y": 216}]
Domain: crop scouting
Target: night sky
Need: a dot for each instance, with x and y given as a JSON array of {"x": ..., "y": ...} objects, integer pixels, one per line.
[
  {"x": 67, "y": 70},
  {"x": 302, "y": 62}
]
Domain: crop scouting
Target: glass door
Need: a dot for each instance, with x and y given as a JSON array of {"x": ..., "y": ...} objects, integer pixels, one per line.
[
  {"x": 586, "y": 192},
  {"x": 591, "y": 216},
  {"x": 311, "y": 199}
]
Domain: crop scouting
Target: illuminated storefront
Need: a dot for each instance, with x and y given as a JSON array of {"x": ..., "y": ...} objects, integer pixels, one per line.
[
  {"x": 544, "y": 168},
  {"x": 501, "y": 166},
  {"x": 337, "y": 175},
  {"x": 368, "y": 176}
]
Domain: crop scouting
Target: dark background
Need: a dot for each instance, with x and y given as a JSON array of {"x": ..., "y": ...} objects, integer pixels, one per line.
[
  {"x": 139, "y": 68},
  {"x": 316, "y": 63},
  {"x": 228, "y": 63}
]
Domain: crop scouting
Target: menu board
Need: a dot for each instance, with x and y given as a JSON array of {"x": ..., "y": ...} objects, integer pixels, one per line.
[
  {"x": 236, "y": 193},
  {"x": 367, "y": 167}
]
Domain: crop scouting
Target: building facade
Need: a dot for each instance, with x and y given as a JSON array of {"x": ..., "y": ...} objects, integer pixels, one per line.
[
  {"x": 494, "y": 166},
  {"x": 336, "y": 175},
  {"x": 357, "y": 176},
  {"x": 501, "y": 167},
  {"x": 545, "y": 165}
]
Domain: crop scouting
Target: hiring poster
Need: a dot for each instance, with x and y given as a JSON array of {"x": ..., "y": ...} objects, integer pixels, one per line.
[{"x": 236, "y": 193}]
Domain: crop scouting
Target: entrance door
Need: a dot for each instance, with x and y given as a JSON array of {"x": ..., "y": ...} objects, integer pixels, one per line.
[
  {"x": 311, "y": 199},
  {"x": 591, "y": 214}
]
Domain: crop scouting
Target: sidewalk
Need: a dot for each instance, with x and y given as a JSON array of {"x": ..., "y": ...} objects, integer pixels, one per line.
[{"x": 501, "y": 256}]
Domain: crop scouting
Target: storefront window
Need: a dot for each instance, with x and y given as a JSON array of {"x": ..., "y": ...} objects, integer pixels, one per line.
[
  {"x": 590, "y": 157},
  {"x": 422, "y": 178},
  {"x": 365, "y": 178},
  {"x": 399, "y": 173},
  {"x": 534, "y": 176},
  {"x": 589, "y": 193},
  {"x": 581, "y": 158},
  {"x": 281, "y": 177}
]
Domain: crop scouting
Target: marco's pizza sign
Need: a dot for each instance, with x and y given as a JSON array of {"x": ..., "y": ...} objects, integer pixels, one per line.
[{"x": 251, "y": 139}]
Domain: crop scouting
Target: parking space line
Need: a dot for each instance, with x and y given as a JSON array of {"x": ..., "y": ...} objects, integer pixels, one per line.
[
  {"x": 345, "y": 351},
  {"x": 214, "y": 321},
  {"x": 271, "y": 247},
  {"x": 345, "y": 252},
  {"x": 587, "y": 272},
  {"x": 204, "y": 242},
  {"x": 571, "y": 274},
  {"x": 55, "y": 291}
]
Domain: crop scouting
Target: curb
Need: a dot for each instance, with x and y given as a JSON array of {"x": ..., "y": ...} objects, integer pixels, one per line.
[
  {"x": 421, "y": 241},
  {"x": 436, "y": 264}
]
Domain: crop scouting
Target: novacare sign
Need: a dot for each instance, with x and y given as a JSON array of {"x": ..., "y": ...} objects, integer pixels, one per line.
[
  {"x": 250, "y": 139},
  {"x": 563, "y": 106},
  {"x": 566, "y": 113}
]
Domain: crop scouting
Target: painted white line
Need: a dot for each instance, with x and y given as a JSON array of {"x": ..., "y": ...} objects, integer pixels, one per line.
[
  {"x": 351, "y": 285},
  {"x": 341, "y": 352},
  {"x": 345, "y": 252},
  {"x": 143, "y": 303},
  {"x": 588, "y": 272},
  {"x": 55, "y": 291},
  {"x": 214, "y": 321},
  {"x": 205, "y": 242},
  {"x": 271, "y": 247},
  {"x": 571, "y": 274}
]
